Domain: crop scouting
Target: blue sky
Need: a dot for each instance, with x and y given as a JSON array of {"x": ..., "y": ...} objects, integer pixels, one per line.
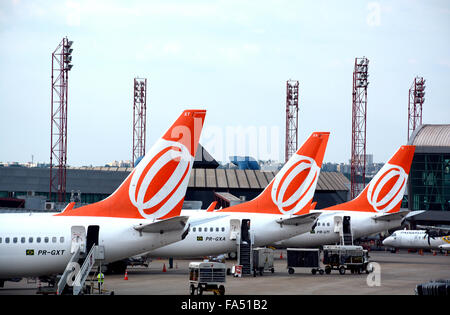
[{"x": 230, "y": 57}]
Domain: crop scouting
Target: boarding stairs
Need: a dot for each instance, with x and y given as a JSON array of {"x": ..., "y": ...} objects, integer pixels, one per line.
[
  {"x": 347, "y": 239},
  {"x": 346, "y": 231},
  {"x": 87, "y": 262},
  {"x": 245, "y": 255}
]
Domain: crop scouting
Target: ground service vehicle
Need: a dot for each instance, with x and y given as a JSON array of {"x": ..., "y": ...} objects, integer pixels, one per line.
[
  {"x": 305, "y": 258},
  {"x": 207, "y": 276},
  {"x": 330, "y": 257},
  {"x": 262, "y": 260},
  {"x": 342, "y": 258}
]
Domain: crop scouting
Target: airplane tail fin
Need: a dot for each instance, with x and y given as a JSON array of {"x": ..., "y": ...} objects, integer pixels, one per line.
[
  {"x": 212, "y": 207},
  {"x": 156, "y": 187},
  {"x": 385, "y": 191},
  {"x": 292, "y": 189}
]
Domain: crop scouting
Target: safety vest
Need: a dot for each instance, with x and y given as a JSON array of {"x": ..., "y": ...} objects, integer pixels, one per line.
[{"x": 100, "y": 277}]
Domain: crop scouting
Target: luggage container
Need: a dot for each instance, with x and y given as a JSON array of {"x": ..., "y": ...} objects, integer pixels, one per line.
[
  {"x": 262, "y": 260},
  {"x": 304, "y": 258},
  {"x": 207, "y": 276},
  {"x": 330, "y": 257}
]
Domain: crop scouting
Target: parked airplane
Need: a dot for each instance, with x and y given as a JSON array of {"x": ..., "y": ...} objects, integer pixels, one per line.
[
  {"x": 419, "y": 239},
  {"x": 141, "y": 215},
  {"x": 375, "y": 209},
  {"x": 279, "y": 212}
]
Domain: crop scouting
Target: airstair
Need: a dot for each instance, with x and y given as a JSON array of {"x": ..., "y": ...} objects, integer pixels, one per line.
[
  {"x": 342, "y": 225},
  {"x": 86, "y": 253},
  {"x": 74, "y": 275},
  {"x": 245, "y": 257},
  {"x": 244, "y": 243}
]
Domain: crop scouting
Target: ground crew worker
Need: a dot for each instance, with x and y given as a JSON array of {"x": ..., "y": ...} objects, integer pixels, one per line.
[{"x": 100, "y": 279}]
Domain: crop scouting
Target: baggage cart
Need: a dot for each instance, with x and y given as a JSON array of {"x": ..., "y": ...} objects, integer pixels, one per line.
[
  {"x": 262, "y": 260},
  {"x": 305, "y": 258},
  {"x": 342, "y": 258},
  {"x": 328, "y": 258},
  {"x": 207, "y": 276}
]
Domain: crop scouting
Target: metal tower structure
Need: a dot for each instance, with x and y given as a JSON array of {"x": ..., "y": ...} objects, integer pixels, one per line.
[
  {"x": 359, "y": 117},
  {"x": 61, "y": 65},
  {"x": 139, "y": 118},
  {"x": 415, "y": 102},
  {"x": 291, "y": 118}
]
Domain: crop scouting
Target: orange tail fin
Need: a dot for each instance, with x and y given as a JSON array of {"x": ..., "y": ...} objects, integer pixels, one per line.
[
  {"x": 292, "y": 189},
  {"x": 212, "y": 206},
  {"x": 385, "y": 191},
  {"x": 155, "y": 189}
]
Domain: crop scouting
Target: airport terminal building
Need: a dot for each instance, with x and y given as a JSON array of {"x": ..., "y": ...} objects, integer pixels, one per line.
[{"x": 429, "y": 178}]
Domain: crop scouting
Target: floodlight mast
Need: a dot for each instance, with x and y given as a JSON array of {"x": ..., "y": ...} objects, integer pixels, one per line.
[
  {"x": 291, "y": 145},
  {"x": 139, "y": 118},
  {"x": 61, "y": 65},
  {"x": 415, "y": 103},
  {"x": 359, "y": 118}
]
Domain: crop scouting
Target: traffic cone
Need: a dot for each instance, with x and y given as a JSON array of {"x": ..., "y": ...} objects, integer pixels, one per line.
[
  {"x": 281, "y": 255},
  {"x": 126, "y": 275},
  {"x": 421, "y": 252},
  {"x": 434, "y": 253},
  {"x": 164, "y": 268}
]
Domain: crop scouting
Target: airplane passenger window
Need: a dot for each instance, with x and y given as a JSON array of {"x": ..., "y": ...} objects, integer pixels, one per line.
[
  {"x": 46, "y": 239},
  {"x": 30, "y": 240},
  {"x": 22, "y": 240},
  {"x": 199, "y": 229},
  {"x": 61, "y": 239},
  {"x": 217, "y": 229},
  {"x": 53, "y": 239},
  {"x": 7, "y": 240},
  {"x": 0, "y": 240},
  {"x": 328, "y": 223},
  {"x": 223, "y": 229},
  {"x": 194, "y": 229},
  {"x": 38, "y": 239},
  {"x": 15, "y": 240},
  {"x": 211, "y": 229}
]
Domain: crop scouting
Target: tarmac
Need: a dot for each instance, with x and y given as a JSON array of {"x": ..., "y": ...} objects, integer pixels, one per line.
[{"x": 398, "y": 274}]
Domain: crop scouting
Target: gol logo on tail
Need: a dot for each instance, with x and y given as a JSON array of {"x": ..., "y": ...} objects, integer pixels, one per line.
[
  {"x": 385, "y": 190},
  {"x": 154, "y": 187},
  {"x": 291, "y": 189}
]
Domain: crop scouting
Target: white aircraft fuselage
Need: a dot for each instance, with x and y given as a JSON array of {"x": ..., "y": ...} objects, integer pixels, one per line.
[
  {"x": 40, "y": 244},
  {"x": 210, "y": 233},
  {"x": 325, "y": 233},
  {"x": 416, "y": 239}
]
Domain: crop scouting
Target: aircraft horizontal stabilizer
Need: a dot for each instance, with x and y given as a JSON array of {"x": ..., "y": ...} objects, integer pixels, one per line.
[
  {"x": 391, "y": 216},
  {"x": 308, "y": 218},
  {"x": 172, "y": 224}
]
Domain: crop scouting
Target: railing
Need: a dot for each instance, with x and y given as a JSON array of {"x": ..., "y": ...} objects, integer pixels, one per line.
[
  {"x": 95, "y": 253},
  {"x": 71, "y": 267}
]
